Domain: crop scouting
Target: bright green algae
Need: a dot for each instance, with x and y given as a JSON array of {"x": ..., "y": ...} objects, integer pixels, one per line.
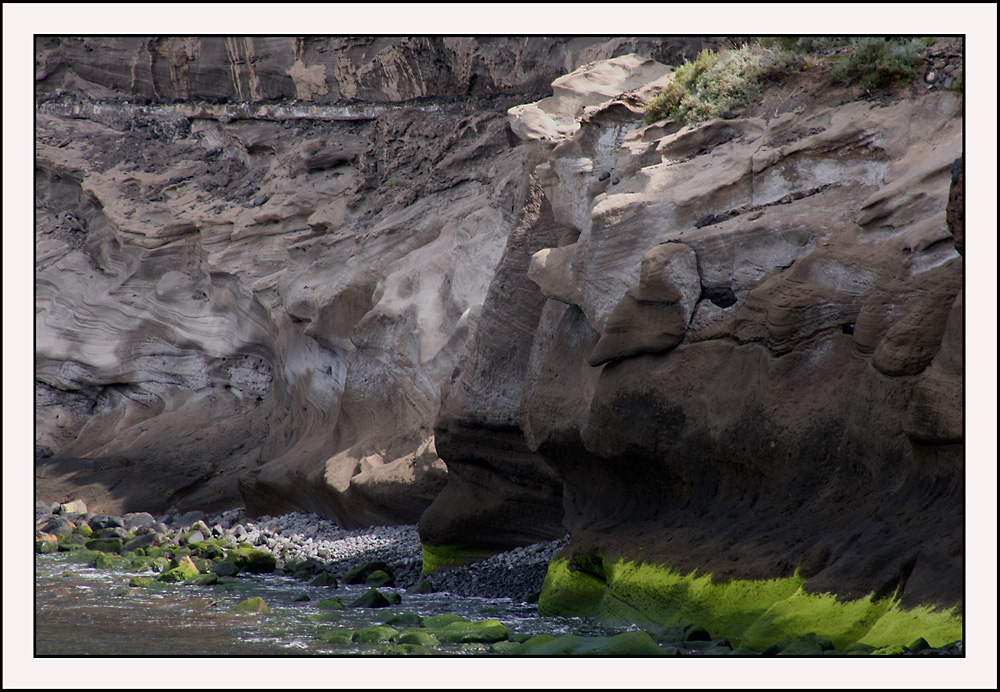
[{"x": 751, "y": 613}]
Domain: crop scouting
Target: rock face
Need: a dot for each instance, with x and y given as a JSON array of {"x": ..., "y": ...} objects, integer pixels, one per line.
[
  {"x": 735, "y": 347},
  {"x": 750, "y": 358},
  {"x": 258, "y": 304}
]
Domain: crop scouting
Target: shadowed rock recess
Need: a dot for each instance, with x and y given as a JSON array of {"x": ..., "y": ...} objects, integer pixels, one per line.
[{"x": 460, "y": 281}]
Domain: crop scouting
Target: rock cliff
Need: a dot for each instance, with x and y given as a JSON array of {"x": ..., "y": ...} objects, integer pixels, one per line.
[{"x": 733, "y": 347}]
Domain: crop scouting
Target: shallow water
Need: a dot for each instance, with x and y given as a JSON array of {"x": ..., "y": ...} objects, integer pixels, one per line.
[{"x": 97, "y": 613}]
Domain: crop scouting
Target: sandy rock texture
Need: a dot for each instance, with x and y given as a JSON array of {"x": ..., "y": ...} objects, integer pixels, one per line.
[
  {"x": 749, "y": 359},
  {"x": 244, "y": 299}
]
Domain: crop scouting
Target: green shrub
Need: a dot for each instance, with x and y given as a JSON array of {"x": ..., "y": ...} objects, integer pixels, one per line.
[
  {"x": 717, "y": 82},
  {"x": 879, "y": 63}
]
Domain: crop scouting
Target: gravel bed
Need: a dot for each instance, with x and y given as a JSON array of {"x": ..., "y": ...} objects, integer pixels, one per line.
[{"x": 516, "y": 574}]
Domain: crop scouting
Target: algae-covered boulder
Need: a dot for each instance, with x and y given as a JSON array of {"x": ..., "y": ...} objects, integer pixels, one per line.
[
  {"x": 380, "y": 578},
  {"x": 421, "y": 587},
  {"x": 624, "y": 644},
  {"x": 479, "y": 631},
  {"x": 372, "y": 598},
  {"x": 324, "y": 580},
  {"x": 375, "y": 633},
  {"x": 206, "y": 579},
  {"x": 106, "y": 545},
  {"x": 443, "y": 620},
  {"x": 337, "y": 637},
  {"x": 249, "y": 559},
  {"x": 184, "y": 571},
  {"x": 525, "y": 645},
  {"x": 142, "y": 582},
  {"x": 206, "y": 550},
  {"x": 46, "y": 543},
  {"x": 332, "y": 604},
  {"x": 404, "y": 620},
  {"x": 418, "y": 637},
  {"x": 681, "y": 631},
  {"x": 251, "y": 605}
]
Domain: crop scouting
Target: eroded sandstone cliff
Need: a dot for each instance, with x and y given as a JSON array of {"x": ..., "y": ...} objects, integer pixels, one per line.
[{"x": 733, "y": 347}]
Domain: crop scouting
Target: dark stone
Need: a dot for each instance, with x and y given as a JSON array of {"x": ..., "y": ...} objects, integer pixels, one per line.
[
  {"x": 603, "y": 176},
  {"x": 615, "y": 181},
  {"x": 43, "y": 453},
  {"x": 360, "y": 573},
  {"x": 372, "y": 598},
  {"x": 706, "y": 220},
  {"x": 104, "y": 521}
]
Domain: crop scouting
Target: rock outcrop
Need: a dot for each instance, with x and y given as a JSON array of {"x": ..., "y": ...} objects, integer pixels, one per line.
[
  {"x": 734, "y": 347},
  {"x": 749, "y": 363},
  {"x": 246, "y": 300}
]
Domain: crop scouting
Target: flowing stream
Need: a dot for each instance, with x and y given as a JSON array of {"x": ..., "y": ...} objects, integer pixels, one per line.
[{"x": 82, "y": 611}]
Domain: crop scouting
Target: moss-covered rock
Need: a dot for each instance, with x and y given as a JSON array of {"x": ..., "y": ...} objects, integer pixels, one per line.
[
  {"x": 109, "y": 561},
  {"x": 337, "y": 637},
  {"x": 482, "y": 631},
  {"x": 329, "y": 616},
  {"x": 207, "y": 550},
  {"x": 251, "y": 605},
  {"x": 332, "y": 604},
  {"x": 142, "y": 582},
  {"x": 83, "y": 530},
  {"x": 226, "y": 568},
  {"x": 46, "y": 543},
  {"x": 184, "y": 571},
  {"x": 324, "y": 580},
  {"x": 253, "y": 560},
  {"x": 503, "y": 647},
  {"x": 418, "y": 637},
  {"x": 443, "y": 620},
  {"x": 375, "y": 633},
  {"x": 105, "y": 545},
  {"x": 403, "y": 620},
  {"x": 372, "y": 598},
  {"x": 527, "y": 645},
  {"x": 380, "y": 578},
  {"x": 423, "y": 586},
  {"x": 206, "y": 579}
]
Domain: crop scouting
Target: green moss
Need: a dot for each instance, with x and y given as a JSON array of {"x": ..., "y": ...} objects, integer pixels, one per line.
[
  {"x": 529, "y": 645},
  {"x": 249, "y": 559},
  {"x": 440, "y": 557},
  {"x": 337, "y": 637},
  {"x": 418, "y": 637},
  {"x": 251, "y": 605},
  {"x": 479, "y": 631},
  {"x": 443, "y": 620},
  {"x": 754, "y": 614},
  {"x": 373, "y": 634}
]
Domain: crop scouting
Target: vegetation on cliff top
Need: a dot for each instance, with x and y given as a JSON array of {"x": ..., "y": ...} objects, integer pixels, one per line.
[{"x": 720, "y": 81}]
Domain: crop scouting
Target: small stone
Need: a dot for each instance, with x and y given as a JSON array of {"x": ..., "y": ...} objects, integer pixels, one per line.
[
  {"x": 604, "y": 176},
  {"x": 615, "y": 181}
]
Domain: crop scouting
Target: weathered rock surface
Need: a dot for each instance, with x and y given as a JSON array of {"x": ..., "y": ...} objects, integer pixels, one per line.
[
  {"x": 750, "y": 357},
  {"x": 240, "y": 303},
  {"x": 736, "y": 346}
]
